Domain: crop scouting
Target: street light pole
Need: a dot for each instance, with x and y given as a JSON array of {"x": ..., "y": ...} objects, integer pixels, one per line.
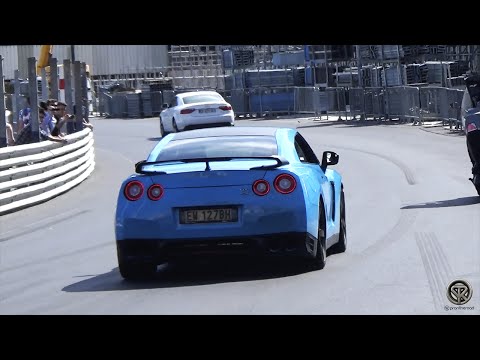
[{"x": 72, "y": 51}]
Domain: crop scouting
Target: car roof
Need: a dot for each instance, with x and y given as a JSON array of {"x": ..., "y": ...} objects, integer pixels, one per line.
[
  {"x": 202, "y": 92},
  {"x": 226, "y": 131}
]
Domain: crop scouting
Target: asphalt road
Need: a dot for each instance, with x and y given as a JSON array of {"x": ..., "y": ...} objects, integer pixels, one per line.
[{"x": 413, "y": 227}]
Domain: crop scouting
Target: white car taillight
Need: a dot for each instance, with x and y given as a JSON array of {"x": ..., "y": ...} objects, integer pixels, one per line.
[{"x": 471, "y": 127}]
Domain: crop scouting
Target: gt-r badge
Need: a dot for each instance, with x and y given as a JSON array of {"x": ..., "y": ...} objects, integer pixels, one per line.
[{"x": 244, "y": 191}]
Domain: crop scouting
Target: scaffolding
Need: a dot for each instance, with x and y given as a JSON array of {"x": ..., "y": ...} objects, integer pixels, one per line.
[
  {"x": 193, "y": 65},
  {"x": 196, "y": 56},
  {"x": 326, "y": 63},
  {"x": 186, "y": 56}
]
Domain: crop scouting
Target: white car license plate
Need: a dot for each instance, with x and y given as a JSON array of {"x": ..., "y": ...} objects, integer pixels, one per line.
[{"x": 205, "y": 111}]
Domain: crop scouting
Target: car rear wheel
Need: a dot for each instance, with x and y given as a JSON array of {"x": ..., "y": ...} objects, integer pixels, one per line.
[
  {"x": 320, "y": 259},
  {"x": 341, "y": 245},
  {"x": 163, "y": 133},
  {"x": 174, "y": 125}
]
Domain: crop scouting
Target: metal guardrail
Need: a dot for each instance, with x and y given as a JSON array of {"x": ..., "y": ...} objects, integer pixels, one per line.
[{"x": 34, "y": 173}]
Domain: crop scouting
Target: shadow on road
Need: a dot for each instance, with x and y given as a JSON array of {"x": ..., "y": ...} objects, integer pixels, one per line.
[
  {"x": 154, "y": 138},
  {"x": 170, "y": 276},
  {"x": 464, "y": 201},
  {"x": 346, "y": 124}
]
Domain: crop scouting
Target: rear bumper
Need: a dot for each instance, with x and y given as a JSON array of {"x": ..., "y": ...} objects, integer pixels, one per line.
[
  {"x": 209, "y": 125},
  {"x": 187, "y": 123},
  {"x": 293, "y": 244}
]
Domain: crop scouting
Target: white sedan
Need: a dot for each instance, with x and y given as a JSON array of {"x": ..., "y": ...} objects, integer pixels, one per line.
[{"x": 195, "y": 109}]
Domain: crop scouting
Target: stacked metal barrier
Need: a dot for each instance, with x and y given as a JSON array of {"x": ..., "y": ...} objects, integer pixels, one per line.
[
  {"x": 406, "y": 103},
  {"x": 133, "y": 105}
]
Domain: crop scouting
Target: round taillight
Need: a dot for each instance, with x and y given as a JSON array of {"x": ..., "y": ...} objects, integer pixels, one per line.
[
  {"x": 155, "y": 192},
  {"x": 285, "y": 183},
  {"x": 134, "y": 190},
  {"x": 261, "y": 187}
]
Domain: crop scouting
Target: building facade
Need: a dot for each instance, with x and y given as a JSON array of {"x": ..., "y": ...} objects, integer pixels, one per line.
[{"x": 103, "y": 60}]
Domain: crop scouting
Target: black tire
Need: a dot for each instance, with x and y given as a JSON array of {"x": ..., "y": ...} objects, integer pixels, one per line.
[
  {"x": 341, "y": 245},
  {"x": 136, "y": 271},
  {"x": 174, "y": 125},
  {"x": 477, "y": 187},
  {"x": 163, "y": 133},
  {"x": 320, "y": 259}
]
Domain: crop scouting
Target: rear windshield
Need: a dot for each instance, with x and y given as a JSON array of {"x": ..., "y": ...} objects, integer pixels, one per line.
[
  {"x": 201, "y": 98},
  {"x": 224, "y": 146}
]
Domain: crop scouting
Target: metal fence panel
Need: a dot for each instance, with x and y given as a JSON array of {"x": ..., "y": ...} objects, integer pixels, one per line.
[
  {"x": 119, "y": 107},
  {"x": 434, "y": 103},
  {"x": 134, "y": 106},
  {"x": 455, "y": 97},
  {"x": 356, "y": 97},
  {"x": 404, "y": 102},
  {"x": 374, "y": 102},
  {"x": 156, "y": 98},
  {"x": 168, "y": 96},
  {"x": 104, "y": 106},
  {"x": 304, "y": 100},
  {"x": 310, "y": 100},
  {"x": 239, "y": 101},
  {"x": 336, "y": 101},
  {"x": 319, "y": 101},
  {"x": 271, "y": 100}
]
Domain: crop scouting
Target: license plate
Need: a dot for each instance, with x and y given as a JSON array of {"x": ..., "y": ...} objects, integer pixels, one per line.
[
  {"x": 210, "y": 215},
  {"x": 204, "y": 111}
]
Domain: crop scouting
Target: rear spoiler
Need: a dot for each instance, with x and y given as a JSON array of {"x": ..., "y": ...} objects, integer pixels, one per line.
[{"x": 139, "y": 167}]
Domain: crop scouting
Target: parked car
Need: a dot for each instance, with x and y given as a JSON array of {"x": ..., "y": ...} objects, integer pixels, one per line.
[
  {"x": 195, "y": 109},
  {"x": 240, "y": 190}
]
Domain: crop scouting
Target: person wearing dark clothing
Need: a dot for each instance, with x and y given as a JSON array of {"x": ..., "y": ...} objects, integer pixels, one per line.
[
  {"x": 72, "y": 125},
  {"x": 25, "y": 136},
  {"x": 471, "y": 125}
]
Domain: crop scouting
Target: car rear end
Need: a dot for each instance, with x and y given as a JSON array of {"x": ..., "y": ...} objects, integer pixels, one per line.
[
  {"x": 221, "y": 211},
  {"x": 202, "y": 110},
  {"x": 205, "y": 115}
]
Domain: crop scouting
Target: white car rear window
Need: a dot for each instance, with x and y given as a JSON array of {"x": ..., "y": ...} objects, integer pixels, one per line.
[{"x": 194, "y": 99}]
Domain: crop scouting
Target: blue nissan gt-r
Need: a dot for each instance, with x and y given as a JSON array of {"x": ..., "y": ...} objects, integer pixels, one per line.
[{"x": 231, "y": 190}]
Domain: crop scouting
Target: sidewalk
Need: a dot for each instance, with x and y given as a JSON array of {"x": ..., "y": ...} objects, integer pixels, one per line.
[{"x": 438, "y": 128}]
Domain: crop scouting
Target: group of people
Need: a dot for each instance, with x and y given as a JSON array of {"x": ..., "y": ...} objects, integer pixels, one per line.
[{"x": 54, "y": 123}]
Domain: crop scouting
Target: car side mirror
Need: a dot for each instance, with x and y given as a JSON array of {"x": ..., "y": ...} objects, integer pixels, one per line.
[
  {"x": 165, "y": 106},
  {"x": 329, "y": 158}
]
